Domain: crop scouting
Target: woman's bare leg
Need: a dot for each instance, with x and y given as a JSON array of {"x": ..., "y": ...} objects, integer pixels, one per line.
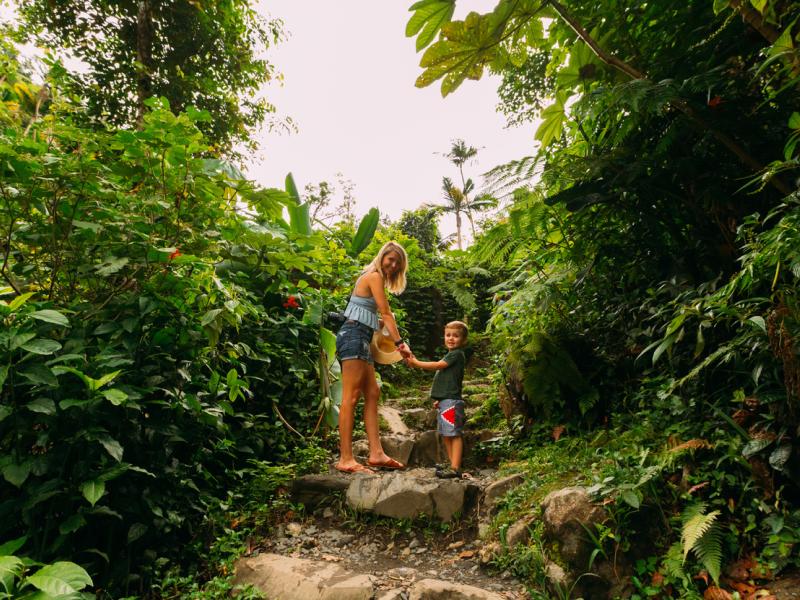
[
  {"x": 352, "y": 379},
  {"x": 372, "y": 394}
]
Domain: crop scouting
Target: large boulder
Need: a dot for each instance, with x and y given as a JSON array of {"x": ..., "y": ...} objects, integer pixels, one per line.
[
  {"x": 566, "y": 513},
  {"x": 299, "y": 579}
]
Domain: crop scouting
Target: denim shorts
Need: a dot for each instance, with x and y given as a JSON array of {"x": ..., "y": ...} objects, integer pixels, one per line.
[
  {"x": 451, "y": 418},
  {"x": 353, "y": 340}
]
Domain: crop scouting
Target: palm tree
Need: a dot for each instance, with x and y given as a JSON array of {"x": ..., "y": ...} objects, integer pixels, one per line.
[{"x": 457, "y": 200}]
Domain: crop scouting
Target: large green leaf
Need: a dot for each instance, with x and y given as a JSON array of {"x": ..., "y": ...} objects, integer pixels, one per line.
[
  {"x": 467, "y": 47},
  {"x": 553, "y": 118},
  {"x": 365, "y": 232},
  {"x": 50, "y": 316},
  {"x": 327, "y": 340},
  {"x": 291, "y": 188},
  {"x": 16, "y": 474},
  {"x": 427, "y": 20},
  {"x": 42, "y": 346},
  {"x": 60, "y": 579},
  {"x": 10, "y": 568},
  {"x": 93, "y": 490}
]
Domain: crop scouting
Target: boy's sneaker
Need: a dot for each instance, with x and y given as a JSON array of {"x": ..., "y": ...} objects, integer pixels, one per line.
[{"x": 448, "y": 473}]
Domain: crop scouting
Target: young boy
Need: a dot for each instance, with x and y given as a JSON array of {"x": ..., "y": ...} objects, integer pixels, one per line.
[{"x": 446, "y": 394}]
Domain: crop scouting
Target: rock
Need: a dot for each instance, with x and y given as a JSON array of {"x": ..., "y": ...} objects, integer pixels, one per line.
[
  {"x": 394, "y": 420},
  {"x": 435, "y": 589},
  {"x": 399, "y": 447},
  {"x": 519, "y": 532},
  {"x": 488, "y": 552},
  {"x": 406, "y": 495},
  {"x": 314, "y": 489},
  {"x": 294, "y": 529},
  {"x": 500, "y": 487},
  {"x": 420, "y": 418},
  {"x": 300, "y": 579},
  {"x": 428, "y": 450},
  {"x": 395, "y": 594},
  {"x": 566, "y": 513}
]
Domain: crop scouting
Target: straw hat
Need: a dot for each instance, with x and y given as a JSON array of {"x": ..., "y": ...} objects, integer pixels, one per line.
[{"x": 384, "y": 352}]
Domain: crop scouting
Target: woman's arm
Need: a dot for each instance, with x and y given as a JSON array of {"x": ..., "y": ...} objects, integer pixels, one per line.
[{"x": 375, "y": 282}]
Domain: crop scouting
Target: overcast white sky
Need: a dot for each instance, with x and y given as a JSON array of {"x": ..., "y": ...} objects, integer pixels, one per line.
[{"x": 349, "y": 85}]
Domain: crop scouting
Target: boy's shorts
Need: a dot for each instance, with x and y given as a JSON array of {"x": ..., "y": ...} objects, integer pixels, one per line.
[
  {"x": 352, "y": 341},
  {"x": 451, "y": 418}
]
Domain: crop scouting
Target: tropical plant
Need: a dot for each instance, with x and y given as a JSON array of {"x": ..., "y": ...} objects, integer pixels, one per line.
[{"x": 61, "y": 580}]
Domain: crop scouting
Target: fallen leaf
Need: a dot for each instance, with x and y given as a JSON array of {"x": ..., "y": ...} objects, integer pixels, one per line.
[
  {"x": 466, "y": 554},
  {"x": 455, "y": 545},
  {"x": 702, "y": 576},
  {"x": 331, "y": 558},
  {"x": 715, "y": 593}
]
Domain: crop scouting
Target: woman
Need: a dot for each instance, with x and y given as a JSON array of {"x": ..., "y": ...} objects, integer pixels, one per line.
[{"x": 386, "y": 271}]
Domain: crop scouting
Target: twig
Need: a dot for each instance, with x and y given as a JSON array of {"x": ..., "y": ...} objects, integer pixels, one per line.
[{"x": 285, "y": 422}]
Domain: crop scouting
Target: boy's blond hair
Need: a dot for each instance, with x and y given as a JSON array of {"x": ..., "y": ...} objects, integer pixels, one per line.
[
  {"x": 397, "y": 283},
  {"x": 460, "y": 325}
]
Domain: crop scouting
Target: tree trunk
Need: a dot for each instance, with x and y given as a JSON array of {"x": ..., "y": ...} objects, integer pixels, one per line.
[
  {"x": 144, "y": 56},
  {"x": 458, "y": 229}
]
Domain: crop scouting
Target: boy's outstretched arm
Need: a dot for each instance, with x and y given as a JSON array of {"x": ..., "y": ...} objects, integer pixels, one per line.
[{"x": 428, "y": 366}]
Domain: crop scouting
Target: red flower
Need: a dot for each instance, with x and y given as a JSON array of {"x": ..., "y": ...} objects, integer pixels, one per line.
[
  {"x": 175, "y": 254},
  {"x": 715, "y": 101},
  {"x": 291, "y": 302}
]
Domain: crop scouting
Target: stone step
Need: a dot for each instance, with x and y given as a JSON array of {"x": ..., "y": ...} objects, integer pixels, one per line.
[
  {"x": 403, "y": 494},
  {"x": 289, "y": 578}
]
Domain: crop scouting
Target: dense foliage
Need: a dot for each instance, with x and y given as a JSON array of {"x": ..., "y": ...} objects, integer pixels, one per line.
[
  {"x": 650, "y": 243},
  {"x": 165, "y": 363},
  {"x": 153, "y": 338}
]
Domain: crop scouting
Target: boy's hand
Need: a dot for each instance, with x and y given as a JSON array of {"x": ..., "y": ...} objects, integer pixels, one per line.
[{"x": 435, "y": 404}]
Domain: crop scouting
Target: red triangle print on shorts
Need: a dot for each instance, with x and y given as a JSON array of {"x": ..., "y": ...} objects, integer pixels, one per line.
[{"x": 449, "y": 415}]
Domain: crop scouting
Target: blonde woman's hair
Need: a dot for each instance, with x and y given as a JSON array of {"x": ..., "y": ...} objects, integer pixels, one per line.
[
  {"x": 397, "y": 282},
  {"x": 460, "y": 325}
]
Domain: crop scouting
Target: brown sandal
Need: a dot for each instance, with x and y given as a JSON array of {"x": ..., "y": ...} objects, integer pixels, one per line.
[
  {"x": 389, "y": 463},
  {"x": 356, "y": 468}
]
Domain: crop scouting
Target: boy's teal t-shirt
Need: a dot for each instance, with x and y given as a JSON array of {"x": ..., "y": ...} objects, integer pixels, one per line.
[{"x": 447, "y": 382}]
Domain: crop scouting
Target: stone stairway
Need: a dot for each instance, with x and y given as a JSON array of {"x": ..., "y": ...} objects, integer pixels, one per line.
[{"x": 431, "y": 550}]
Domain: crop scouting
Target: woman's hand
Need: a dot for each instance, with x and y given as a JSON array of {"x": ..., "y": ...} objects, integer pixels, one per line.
[{"x": 405, "y": 351}]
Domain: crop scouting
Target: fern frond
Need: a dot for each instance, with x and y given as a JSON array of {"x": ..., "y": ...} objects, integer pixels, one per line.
[
  {"x": 673, "y": 563},
  {"x": 701, "y": 535},
  {"x": 502, "y": 180},
  {"x": 695, "y": 444},
  {"x": 708, "y": 550}
]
